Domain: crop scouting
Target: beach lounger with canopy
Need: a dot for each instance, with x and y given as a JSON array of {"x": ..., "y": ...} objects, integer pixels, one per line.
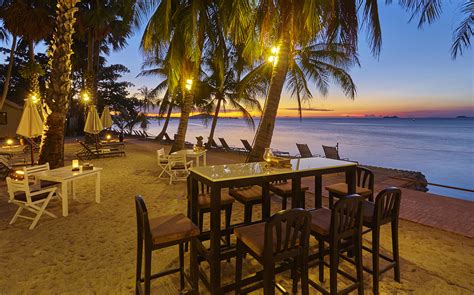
[
  {"x": 34, "y": 201},
  {"x": 87, "y": 153}
]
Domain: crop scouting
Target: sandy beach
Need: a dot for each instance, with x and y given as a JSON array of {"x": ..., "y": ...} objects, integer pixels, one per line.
[{"x": 92, "y": 251}]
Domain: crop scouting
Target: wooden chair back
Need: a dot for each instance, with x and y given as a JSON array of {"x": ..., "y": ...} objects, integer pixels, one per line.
[
  {"x": 346, "y": 217},
  {"x": 365, "y": 178},
  {"x": 287, "y": 234},
  {"x": 246, "y": 144},
  {"x": 387, "y": 205},
  {"x": 143, "y": 224},
  {"x": 331, "y": 152},
  {"x": 304, "y": 150}
]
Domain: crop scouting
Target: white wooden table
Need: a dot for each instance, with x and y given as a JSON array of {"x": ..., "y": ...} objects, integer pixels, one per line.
[
  {"x": 65, "y": 176},
  {"x": 190, "y": 153}
]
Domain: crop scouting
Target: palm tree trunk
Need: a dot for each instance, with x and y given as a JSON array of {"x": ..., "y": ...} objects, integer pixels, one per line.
[
  {"x": 183, "y": 123},
  {"x": 263, "y": 137},
  {"x": 90, "y": 64},
  {"x": 52, "y": 144},
  {"x": 95, "y": 70},
  {"x": 214, "y": 122},
  {"x": 34, "y": 81},
  {"x": 8, "y": 76},
  {"x": 167, "y": 120}
]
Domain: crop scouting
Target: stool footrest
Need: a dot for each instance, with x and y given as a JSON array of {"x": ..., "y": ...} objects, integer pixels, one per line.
[{"x": 162, "y": 274}]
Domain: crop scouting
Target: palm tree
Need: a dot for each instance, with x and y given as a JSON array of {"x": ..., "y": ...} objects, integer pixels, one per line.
[
  {"x": 222, "y": 85},
  {"x": 102, "y": 24},
  {"x": 148, "y": 98},
  {"x": 430, "y": 11},
  {"x": 176, "y": 33},
  {"x": 30, "y": 19},
  {"x": 52, "y": 144},
  {"x": 292, "y": 25}
]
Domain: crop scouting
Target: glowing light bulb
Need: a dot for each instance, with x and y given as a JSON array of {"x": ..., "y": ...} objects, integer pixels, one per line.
[
  {"x": 271, "y": 58},
  {"x": 85, "y": 97},
  {"x": 34, "y": 98},
  {"x": 108, "y": 136},
  {"x": 189, "y": 84},
  {"x": 9, "y": 141},
  {"x": 275, "y": 50}
]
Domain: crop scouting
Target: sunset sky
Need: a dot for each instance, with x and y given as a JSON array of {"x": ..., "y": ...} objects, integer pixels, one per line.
[{"x": 414, "y": 76}]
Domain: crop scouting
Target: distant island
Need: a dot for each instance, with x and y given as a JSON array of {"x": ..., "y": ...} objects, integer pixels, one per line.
[
  {"x": 464, "y": 117},
  {"x": 391, "y": 117}
]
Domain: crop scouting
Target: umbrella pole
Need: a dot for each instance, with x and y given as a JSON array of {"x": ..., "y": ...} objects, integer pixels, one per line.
[{"x": 32, "y": 152}]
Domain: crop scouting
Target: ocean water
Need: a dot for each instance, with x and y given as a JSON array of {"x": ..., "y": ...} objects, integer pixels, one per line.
[{"x": 442, "y": 149}]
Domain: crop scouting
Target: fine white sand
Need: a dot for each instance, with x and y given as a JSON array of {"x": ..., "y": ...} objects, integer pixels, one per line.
[{"x": 92, "y": 251}]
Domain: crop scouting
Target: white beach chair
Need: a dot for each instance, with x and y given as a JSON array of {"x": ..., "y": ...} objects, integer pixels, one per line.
[
  {"x": 179, "y": 168},
  {"x": 163, "y": 162},
  {"x": 35, "y": 169},
  {"x": 33, "y": 201}
]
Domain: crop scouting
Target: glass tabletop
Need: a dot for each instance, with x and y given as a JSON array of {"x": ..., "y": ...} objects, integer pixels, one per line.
[{"x": 218, "y": 173}]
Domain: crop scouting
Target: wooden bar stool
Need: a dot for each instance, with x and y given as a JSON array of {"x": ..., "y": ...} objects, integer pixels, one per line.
[
  {"x": 385, "y": 210},
  {"x": 284, "y": 237},
  {"x": 161, "y": 232},
  {"x": 204, "y": 206},
  {"x": 364, "y": 186},
  {"x": 285, "y": 191},
  {"x": 248, "y": 196},
  {"x": 333, "y": 227}
]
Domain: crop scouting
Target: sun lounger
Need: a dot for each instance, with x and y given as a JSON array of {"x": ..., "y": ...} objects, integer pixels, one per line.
[
  {"x": 332, "y": 152},
  {"x": 247, "y": 145},
  {"x": 148, "y": 136},
  {"x": 87, "y": 153},
  {"x": 281, "y": 153},
  {"x": 229, "y": 148},
  {"x": 211, "y": 144},
  {"x": 304, "y": 150}
]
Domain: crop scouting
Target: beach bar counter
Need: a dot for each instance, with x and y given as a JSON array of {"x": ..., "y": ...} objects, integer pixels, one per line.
[{"x": 218, "y": 177}]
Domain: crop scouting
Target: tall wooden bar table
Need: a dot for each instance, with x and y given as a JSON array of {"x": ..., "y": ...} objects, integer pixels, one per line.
[{"x": 257, "y": 173}]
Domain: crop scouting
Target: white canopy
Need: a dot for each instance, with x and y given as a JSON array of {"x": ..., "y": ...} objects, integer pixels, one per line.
[
  {"x": 105, "y": 118},
  {"x": 31, "y": 124},
  {"x": 93, "y": 124}
]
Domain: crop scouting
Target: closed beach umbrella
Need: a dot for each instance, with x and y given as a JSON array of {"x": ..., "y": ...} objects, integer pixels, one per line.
[
  {"x": 31, "y": 124},
  {"x": 93, "y": 123},
  {"x": 105, "y": 118}
]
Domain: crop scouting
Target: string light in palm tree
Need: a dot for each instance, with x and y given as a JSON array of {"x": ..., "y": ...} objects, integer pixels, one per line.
[
  {"x": 273, "y": 58},
  {"x": 189, "y": 84},
  {"x": 34, "y": 98}
]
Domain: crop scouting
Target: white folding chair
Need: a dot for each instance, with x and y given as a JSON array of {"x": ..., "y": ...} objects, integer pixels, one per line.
[
  {"x": 179, "y": 167},
  {"x": 35, "y": 169},
  {"x": 33, "y": 201},
  {"x": 163, "y": 162}
]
